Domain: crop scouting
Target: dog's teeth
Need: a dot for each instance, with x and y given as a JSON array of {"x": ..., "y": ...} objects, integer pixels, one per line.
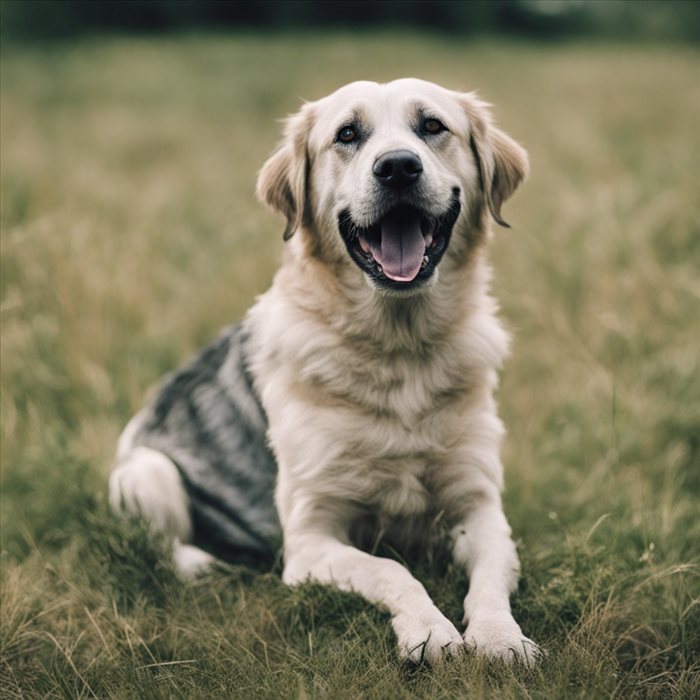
[
  {"x": 425, "y": 262},
  {"x": 380, "y": 269}
]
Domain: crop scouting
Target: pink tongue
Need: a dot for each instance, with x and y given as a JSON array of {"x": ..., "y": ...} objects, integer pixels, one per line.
[{"x": 402, "y": 247}]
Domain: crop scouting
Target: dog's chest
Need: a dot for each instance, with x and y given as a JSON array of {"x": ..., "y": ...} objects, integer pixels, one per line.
[
  {"x": 396, "y": 487},
  {"x": 397, "y": 426},
  {"x": 352, "y": 420},
  {"x": 388, "y": 419},
  {"x": 400, "y": 393}
]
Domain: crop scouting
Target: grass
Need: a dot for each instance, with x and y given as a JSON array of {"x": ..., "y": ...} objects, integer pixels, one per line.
[{"x": 130, "y": 234}]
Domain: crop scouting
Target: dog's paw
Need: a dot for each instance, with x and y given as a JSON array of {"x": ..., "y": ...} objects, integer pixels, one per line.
[
  {"x": 190, "y": 561},
  {"x": 426, "y": 638},
  {"x": 499, "y": 637}
]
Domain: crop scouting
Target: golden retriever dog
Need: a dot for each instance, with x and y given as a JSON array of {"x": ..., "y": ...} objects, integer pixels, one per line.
[{"x": 361, "y": 384}]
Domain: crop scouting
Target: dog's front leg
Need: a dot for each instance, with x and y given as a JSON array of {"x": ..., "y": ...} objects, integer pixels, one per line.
[
  {"x": 423, "y": 632},
  {"x": 483, "y": 543}
]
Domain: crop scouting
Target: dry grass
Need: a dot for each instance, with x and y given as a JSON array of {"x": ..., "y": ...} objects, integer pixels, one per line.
[{"x": 130, "y": 234}]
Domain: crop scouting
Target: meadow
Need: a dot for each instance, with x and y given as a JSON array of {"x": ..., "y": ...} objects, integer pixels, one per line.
[{"x": 131, "y": 234}]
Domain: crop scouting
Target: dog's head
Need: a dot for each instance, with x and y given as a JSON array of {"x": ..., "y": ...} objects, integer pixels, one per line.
[{"x": 381, "y": 177}]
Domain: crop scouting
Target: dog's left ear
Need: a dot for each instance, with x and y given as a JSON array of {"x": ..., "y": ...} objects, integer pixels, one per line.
[
  {"x": 503, "y": 164},
  {"x": 283, "y": 179}
]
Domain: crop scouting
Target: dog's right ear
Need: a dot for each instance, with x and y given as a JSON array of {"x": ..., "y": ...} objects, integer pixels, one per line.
[{"x": 282, "y": 182}]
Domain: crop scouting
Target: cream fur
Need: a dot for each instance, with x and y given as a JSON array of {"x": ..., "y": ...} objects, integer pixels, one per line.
[{"x": 383, "y": 403}]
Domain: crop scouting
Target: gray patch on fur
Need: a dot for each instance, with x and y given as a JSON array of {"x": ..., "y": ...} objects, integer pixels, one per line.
[{"x": 208, "y": 420}]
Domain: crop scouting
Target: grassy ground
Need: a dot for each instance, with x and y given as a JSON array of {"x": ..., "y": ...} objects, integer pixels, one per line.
[{"x": 130, "y": 234}]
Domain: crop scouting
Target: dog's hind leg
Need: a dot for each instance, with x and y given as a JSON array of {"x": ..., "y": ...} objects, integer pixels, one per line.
[{"x": 145, "y": 482}]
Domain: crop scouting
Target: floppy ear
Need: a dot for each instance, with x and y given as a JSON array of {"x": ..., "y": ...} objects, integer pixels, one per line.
[
  {"x": 503, "y": 164},
  {"x": 283, "y": 179}
]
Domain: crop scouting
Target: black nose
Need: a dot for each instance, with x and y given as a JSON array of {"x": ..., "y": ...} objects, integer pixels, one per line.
[{"x": 397, "y": 169}]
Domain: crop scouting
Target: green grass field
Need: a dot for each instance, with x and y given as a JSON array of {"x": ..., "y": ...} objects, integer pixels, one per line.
[{"x": 130, "y": 234}]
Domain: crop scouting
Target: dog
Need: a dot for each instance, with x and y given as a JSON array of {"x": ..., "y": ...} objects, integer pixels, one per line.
[{"x": 359, "y": 389}]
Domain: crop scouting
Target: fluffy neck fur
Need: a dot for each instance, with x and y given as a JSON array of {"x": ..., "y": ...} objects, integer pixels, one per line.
[
  {"x": 336, "y": 291},
  {"x": 323, "y": 332}
]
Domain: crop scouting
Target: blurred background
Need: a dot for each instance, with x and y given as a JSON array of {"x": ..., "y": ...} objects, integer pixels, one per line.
[
  {"x": 131, "y": 134},
  {"x": 629, "y": 19}
]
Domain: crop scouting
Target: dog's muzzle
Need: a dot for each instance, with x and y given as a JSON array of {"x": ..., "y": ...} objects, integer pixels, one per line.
[{"x": 404, "y": 246}]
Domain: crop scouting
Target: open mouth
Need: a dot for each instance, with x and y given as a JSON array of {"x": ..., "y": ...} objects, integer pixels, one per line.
[{"x": 403, "y": 247}]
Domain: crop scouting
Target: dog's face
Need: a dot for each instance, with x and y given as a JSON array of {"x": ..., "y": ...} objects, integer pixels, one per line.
[{"x": 379, "y": 176}]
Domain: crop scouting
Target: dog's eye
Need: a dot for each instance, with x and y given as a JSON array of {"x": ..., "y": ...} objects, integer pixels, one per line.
[
  {"x": 432, "y": 126},
  {"x": 347, "y": 134}
]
